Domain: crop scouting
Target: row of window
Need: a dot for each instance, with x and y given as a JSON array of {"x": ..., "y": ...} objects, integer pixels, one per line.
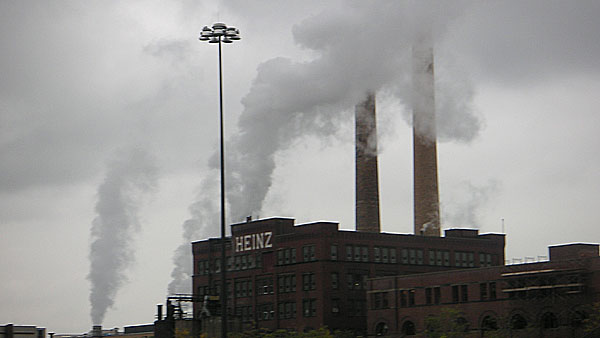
[
  {"x": 433, "y": 295},
  {"x": 236, "y": 263},
  {"x": 354, "y": 253}
]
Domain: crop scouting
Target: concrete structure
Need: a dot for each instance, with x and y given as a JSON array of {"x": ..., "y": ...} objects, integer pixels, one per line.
[
  {"x": 546, "y": 299},
  {"x": 306, "y": 276},
  {"x": 366, "y": 173}
]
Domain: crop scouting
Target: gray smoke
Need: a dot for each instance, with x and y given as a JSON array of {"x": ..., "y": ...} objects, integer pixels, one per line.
[
  {"x": 359, "y": 48},
  {"x": 204, "y": 222},
  {"x": 129, "y": 177},
  {"x": 463, "y": 206}
]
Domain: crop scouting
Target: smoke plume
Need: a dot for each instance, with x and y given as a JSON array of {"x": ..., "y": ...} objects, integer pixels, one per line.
[
  {"x": 358, "y": 48},
  {"x": 129, "y": 177},
  {"x": 465, "y": 203}
]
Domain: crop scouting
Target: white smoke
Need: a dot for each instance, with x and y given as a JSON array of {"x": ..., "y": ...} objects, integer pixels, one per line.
[
  {"x": 130, "y": 176},
  {"x": 205, "y": 222},
  {"x": 463, "y": 207},
  {"x": 360, "y": 47}
]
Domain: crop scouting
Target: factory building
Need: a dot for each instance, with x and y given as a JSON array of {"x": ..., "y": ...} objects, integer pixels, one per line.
[
  {"x": 22, "y": 331},
  {"x": 544, "y": 299},
  {"x": 287, "y": 276}
]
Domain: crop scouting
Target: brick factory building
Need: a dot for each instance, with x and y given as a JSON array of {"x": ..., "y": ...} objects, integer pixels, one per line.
[
  {"x": 546, "y": 299},
  {"x": 307, "y": 276}
]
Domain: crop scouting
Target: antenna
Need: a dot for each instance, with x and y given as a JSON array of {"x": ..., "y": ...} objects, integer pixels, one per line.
[{"x": 503, "y": 225}]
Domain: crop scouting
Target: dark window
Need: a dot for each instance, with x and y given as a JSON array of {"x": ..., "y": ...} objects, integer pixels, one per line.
[
  {"x": 455, "y": 293},
  {"x": 308, "y": 281},
  {"x": 266, "y": 312},
  {"x": 392, "y": 255},
  {"x": 428, "y": 296},
  {"x": 437, "y": 294},
  {"x": 348, "y": 252},
  {"x": 483, "y": 293},
  {"x": 334, "y": 252},
  {"x": 403, "y": 302},
  {"x": 365, "y": 254},
  {"x": 376, "y": 254},
  {"x": 309, "y": 307},
  {"x": 492, "y": 290},
  {"x": 335, "y": 280},
  {"x": 308, "y": 252},
  {"x": 335, "y": 306},
  {"x": 411, "y": 297},
  {"x": 464, "y": 290}
]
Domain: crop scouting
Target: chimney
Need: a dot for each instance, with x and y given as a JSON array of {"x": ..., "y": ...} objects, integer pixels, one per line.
[
  {"x": 426, "y": 197},
  {"x": 367, "y": 179},
  {"x": 97, "y": 331}
]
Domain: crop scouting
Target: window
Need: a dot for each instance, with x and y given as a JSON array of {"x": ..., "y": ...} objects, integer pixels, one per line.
[
  {"x": 365, "y": 254},
  {"x": 437, "y": 295},
  {"x": 264, "y": 286},
  {"x": 308, "y": 281},
  {"x": 384, "y": 255},
  {"x": 392, "y": 255},
  {"x": 349, "y": 252},
  {"x": 455, "y": 293},
  {"x": 492, "y": 290},
  {"x": 309, "y": 307},
  {"x": 308, "y": 252},
  {"x": 483, "y": 292},
  {"x": 266, "y": 312},
  {"x": 243, "y": 288},
  {"x": 404, "y": 256},
  {"x": 286, "y": 283},
  {"x": 334, "y": 252},
  {"x": 413, "y": 256},
  {"x": 411, "y": 297},
  {"x": 335, "y": 306},
  {"x": 420, "y": 256},
  {"x": 287, "y": 310},
  {"x": 335, "y": 280},
  {"x": 464, "y": 290},
  {"x": 428, "y": 296},
  {"x": 376, "y": 254},
  {"x": 285, "y": 256},
  {"x": 380, "y": 300},
  {"x": 357, "y": 255},
  {"x": 403, "y": 301}
]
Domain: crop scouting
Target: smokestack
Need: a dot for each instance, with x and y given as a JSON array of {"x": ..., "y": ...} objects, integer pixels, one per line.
[
  {"x": 97, "y": 331},
  {"x": 367, "y": 179},
  {"x": 426, "y": 196}
]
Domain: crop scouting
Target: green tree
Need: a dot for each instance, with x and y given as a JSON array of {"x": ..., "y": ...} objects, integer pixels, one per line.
[{"x": 449, "y": 323}]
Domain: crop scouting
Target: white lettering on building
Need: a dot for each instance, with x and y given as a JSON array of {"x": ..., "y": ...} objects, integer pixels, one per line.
[{"x": 253, "y": 241}]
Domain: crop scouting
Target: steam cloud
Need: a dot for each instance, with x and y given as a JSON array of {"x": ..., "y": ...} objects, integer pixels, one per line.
[
  {"x": 130, "y": 175},
  {"x": 360, "y": 48}
]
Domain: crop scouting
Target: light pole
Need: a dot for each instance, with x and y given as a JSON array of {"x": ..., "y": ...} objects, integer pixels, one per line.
[{"x": 217, "y": 34}]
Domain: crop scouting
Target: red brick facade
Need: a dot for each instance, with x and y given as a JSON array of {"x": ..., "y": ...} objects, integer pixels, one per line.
[
  {"x": 307, "y": 276},
  {"x": 547, "y": 299}
]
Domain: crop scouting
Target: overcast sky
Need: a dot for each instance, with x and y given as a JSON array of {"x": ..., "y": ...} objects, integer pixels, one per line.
[{"x": 109, "y": 120}]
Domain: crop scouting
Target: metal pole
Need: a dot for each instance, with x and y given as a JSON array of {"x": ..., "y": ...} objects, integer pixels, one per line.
[{"x": 223, "y": 251}]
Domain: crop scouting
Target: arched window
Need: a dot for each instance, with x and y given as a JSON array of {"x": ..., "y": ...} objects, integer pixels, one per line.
[
  {"x": 518, "y": 322},
  {"x": 381, "y": 329},
  {"x": 489, "y": 323},
  {"x": 549, "y": 320},
  {"x": 408, "y": 328}
]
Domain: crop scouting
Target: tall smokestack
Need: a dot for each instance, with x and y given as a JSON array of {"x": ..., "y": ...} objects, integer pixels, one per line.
[
  {"x": 367, "y": 179},
  {"x": 426, "y": 196},
  {"x": 97, "y": 331}
]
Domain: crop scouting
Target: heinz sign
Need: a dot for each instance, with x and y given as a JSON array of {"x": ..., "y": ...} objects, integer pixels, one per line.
[{"x": 251, "y": 242}]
